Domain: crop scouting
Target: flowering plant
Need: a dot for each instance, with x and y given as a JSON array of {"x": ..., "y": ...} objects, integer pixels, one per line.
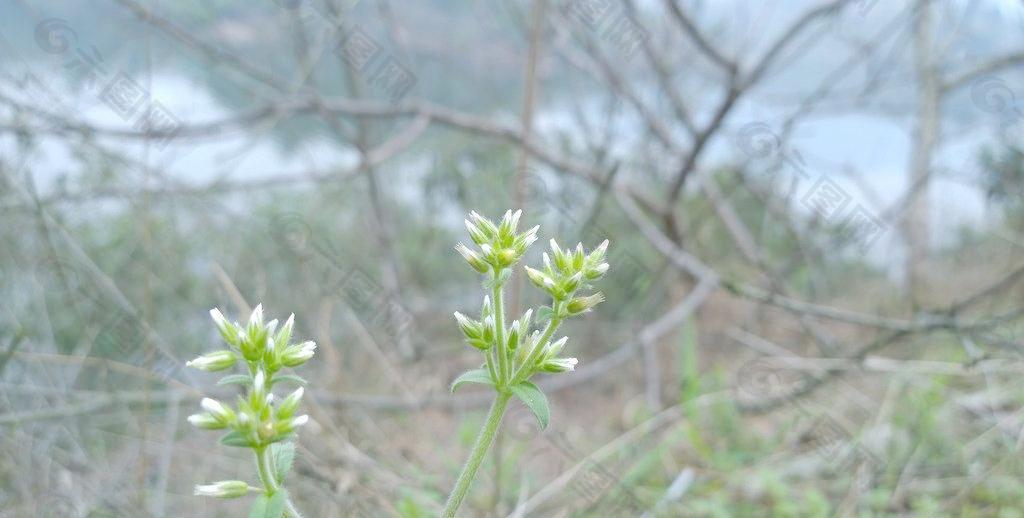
[
  {"x": 257, "y": 421},
  {"x": 514, "y": 352}
]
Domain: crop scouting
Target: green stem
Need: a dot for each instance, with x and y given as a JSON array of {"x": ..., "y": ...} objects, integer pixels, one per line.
[
  {"x": 266, "y": 474},
  {"x": 490, "y": 366},
  {"x": 483, "y": 443},
  {"x": 499, "y": 331},
  {"x": 526, "y": 369},
  {"x": 265, "y": 465}
]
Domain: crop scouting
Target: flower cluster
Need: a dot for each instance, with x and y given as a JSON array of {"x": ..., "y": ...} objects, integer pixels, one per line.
[
  {"x": 515, "y": 352},
  {"x": 500, "y": 245},
  {"x": 568, "y": 272},
  {"x": 258, "y": 421},
  {"x": 266, "y": 350}
]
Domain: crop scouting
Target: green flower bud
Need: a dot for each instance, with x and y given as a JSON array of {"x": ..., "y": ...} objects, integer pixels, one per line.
[
  {"x": 206, "y": 421},
  {"x": 478, "y": 236},
  {"x": 487, "y": 309},
  {"x": 285, "y": 334},
  {"x": 255, "y": 320},
  {"x": 596, "y": 272},
  {"x": 506, "y": 257},
  {"x": 295, "y": 355},
  {"x": 524, "y": 323},
  {"x": 559, "y": 365},
  {"x": 572, "y": 283},
  {"x": 524, "y": 240},
  {"x": 259, "y": 389},
  {"x": 213, "y": 362},
  {"x": 474, "y": 259},
  {"x": 513, "y": 336},
  {"x": 251, "y": 342},
  {"x": 488, "y": 329},
  {"x": 244, "y": 422},
  {"x": 581, "y": 305},
  {"x": 484, "y": 224},
  {"x": 223, "y": 489},
  {"x": 479, "y": 343},
  {"x": 577, "y": 258},
  {"x": 291, "y": 403},
  {"x": 554, "y": 348},
  {"x": 217, "y": 410},
  {"x": 288, "y": 425},
  {"x": 562, "y": 260},
  {"x": 272, "y": 355},
  {"x": 228, "y": 331},
  {"x": 540, "y": 279},
  {"x": 509, "y": 223},
  {"x": 471, "y": 328},
  {"x": 597, "y": 256}
]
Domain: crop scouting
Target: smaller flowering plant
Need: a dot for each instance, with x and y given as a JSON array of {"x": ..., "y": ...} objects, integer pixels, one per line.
[
  {"x": 514, "y": 352},
  {"x": 257, "y": 421}
]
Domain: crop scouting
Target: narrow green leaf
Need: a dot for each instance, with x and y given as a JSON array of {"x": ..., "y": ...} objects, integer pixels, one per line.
[
  {"x": 490, "y": 281},
  {"x": 275, "y": 507},
  {"x": 544, "y": 314},
  {"x": 235, "y": 379},
  {"x": 259, "y": 507},
  {"x": 268, "y": 507},
  {"x": 284, "y": 455},
  {"x": 533, "y": 398},
  {"x": 473, "y": 376},
  {"x": 235, "y": 439},
  {"x": 289, "y": 378},
  {"x": 504, "y": 276}
]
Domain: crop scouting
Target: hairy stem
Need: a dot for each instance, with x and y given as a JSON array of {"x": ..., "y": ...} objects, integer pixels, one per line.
[
  {"x": 499, "y": 331},
  {"x": 483, "y": 443},
  {"x": 526, "y": 369},
  {"x": 266, "y": 474},
  {"x": 265, "y": 465}
]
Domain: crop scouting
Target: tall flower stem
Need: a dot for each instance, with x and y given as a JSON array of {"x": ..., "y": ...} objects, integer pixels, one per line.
[{"x": 483, "y": 443}]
